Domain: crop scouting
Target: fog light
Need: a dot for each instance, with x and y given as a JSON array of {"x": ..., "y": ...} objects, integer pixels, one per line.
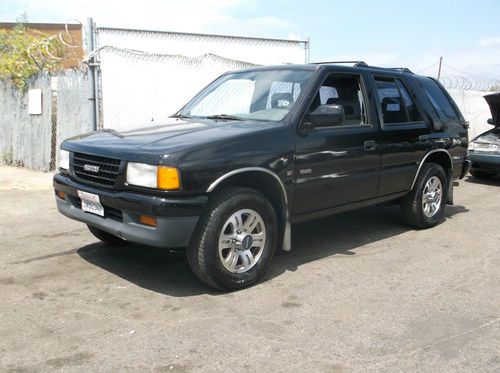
[{"x": 147, "y": 220}]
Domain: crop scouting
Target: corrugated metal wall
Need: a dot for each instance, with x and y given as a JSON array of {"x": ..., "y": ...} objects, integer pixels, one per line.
[{"x": 28, "y": 140}]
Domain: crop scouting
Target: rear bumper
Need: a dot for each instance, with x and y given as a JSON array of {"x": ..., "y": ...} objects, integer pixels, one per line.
[
  {"x": 489, "y": 163},
  {"x": 176, "y": 217}
]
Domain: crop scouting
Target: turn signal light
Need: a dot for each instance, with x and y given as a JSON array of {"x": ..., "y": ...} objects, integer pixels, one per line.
[
  {"x": 147, "y": 220},
  {"x": 60, "y": 194},
  {"x": 168, "y": 178}
]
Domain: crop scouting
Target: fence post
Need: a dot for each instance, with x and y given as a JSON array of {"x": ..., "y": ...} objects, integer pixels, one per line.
[
  {"x": 89, "y": 41},
  {"x": 53, "y": 121},
  {"x": 308, "y": 50}
]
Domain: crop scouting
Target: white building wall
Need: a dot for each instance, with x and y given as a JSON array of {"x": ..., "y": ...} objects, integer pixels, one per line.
[{"x": 474, "y": 108}]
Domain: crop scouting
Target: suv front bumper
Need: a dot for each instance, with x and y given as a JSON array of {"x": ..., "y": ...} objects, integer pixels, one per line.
[{"x": 176, "y": 217}]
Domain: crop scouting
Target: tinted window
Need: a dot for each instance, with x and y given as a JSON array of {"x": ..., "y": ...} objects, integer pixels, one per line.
[
  {"x": 438, "y": 100},
  {"x": 343, "y": 90},
  {"x": 395, "y": 101},
  {"x": 256, "y": 95},
  {"x": 285, "y": 88}
]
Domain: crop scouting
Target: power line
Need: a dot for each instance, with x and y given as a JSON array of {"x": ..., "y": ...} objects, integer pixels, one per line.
[
  {"x": 466, "y": 73},
  {"x": 427, "y": 68}
]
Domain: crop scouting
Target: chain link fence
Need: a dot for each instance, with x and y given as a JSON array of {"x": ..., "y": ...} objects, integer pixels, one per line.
[
  {"x": 139, "y": 89},
  {"x": 146, "y": 76}
]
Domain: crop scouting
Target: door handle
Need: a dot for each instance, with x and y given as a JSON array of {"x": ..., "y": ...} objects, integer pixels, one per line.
[{"x": 370, "y": 145}]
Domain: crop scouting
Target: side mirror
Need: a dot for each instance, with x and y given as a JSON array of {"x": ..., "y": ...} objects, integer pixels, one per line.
[
  {"x": 490, "y": 121},
  {"x": 327, "y": 115}
]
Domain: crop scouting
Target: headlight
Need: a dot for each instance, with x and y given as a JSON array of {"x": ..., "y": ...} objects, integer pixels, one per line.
[
  {"x": 484, "y": 147},
  {"x": 150, "y": 176},
  {"x": 63, "y": 159}
]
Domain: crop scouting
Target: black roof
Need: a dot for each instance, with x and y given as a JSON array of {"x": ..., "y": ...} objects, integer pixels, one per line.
[
  {"x": 341, "y": 65},
  {"x": 362, "y": 64}
]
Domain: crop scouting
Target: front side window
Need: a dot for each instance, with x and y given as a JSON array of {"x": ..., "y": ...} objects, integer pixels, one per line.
[
  {"x": 395, "y": 101},
  {"x": 342, "y": 90},
  {"x": 256, "y": 95}
]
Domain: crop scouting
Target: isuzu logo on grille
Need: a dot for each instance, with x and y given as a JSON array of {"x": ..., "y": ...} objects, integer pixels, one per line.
[{"x": 91, "y": 168}]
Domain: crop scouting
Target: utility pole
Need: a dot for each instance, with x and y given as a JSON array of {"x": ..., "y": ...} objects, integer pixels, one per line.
[
  {"x": 440, "y": 63},
  {"x": 89, "y": 45}
]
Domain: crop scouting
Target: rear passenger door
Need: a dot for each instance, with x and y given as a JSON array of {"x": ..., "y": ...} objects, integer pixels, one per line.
[{"x": 404, "y": 133}]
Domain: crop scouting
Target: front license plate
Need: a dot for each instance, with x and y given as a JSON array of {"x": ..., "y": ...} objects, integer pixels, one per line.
[{"x": 91, "y": 203}]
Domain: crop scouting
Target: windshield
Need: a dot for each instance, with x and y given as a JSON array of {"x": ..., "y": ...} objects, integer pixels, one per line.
[{"x": 257, "y": 95}]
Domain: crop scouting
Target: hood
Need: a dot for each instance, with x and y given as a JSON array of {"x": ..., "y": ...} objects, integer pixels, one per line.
[
  {"x": 146, "y": 144},
  {"x": 493, "y": 101},
  {"x": 491, "y": 136}
]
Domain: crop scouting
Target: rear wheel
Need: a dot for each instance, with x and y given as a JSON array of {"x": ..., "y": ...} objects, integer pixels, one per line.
[
  {"x": 106, "y": 237},
  {"x": 235, "y": 239},
  {"x": 424, "y": 206}
]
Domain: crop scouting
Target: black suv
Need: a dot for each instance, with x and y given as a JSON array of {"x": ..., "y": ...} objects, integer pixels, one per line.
[{"x": 260, "y": 149}]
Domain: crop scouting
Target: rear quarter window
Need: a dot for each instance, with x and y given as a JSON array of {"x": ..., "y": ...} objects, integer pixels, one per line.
[{"x": 439, "y": 101}]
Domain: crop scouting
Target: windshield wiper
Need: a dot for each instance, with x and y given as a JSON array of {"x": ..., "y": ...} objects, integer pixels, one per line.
[
  {"x": 224, "y": 116},
  {"x": 180, "y": 116}
]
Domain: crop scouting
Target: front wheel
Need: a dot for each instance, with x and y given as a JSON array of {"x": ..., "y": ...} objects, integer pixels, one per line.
[
  {"x": 235, "y": 239},
  {"x": 424, "y": 206}
]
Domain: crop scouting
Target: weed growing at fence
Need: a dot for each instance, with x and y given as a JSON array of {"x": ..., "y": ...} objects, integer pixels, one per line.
[{"x": 25, "y": 52}]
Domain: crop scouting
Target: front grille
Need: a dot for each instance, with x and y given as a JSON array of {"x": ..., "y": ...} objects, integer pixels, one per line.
[{"x": 108, "y": 168}]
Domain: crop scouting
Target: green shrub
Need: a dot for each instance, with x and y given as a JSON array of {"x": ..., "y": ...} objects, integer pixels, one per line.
[{"x": 25, "y": 52}]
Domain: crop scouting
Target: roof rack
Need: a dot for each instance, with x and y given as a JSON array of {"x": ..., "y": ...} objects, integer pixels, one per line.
[
  {"x": 364, "y": 64},
  {"x": 402, "y": 69},
  {"x": 356, "y": 63}
]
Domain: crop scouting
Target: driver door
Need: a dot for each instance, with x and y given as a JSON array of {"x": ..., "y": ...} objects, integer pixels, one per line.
[{"x": 337, "y": 163}]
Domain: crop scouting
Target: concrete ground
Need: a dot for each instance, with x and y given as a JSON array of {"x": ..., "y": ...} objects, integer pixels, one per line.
[{"x": 359, "y": 292}]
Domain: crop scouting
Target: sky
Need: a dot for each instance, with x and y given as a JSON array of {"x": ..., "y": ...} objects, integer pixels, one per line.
[{"x": 388, "y": 33}]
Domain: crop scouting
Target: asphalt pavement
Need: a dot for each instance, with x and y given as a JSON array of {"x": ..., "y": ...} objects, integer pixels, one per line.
[{"x": 360, "y": 291}]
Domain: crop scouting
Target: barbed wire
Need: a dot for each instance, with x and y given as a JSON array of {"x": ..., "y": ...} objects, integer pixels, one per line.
[
  {"x": 465, "y": 81},
  {"x": 50, "y": 49},
  {"x": 163, "y": 57},
  {"x": 470, "y": 83},
  {"x": 462, "y": 80}
]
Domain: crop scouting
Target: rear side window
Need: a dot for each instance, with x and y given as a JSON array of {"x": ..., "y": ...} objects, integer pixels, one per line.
[
  {"x": 395, "y": 102},
  {"x": 438, "y": 99}
]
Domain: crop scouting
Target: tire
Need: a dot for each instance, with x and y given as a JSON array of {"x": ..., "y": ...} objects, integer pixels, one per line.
[
  {"x": 219, "y": 255},
  {"x": 107, "y": 237},
  {"x": 481, "y": 174},
  {"x": 417, "y": 214}
]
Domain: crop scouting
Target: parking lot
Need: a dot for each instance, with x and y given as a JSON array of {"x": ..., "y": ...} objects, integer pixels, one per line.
[{"x": 359, "y": 292}]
